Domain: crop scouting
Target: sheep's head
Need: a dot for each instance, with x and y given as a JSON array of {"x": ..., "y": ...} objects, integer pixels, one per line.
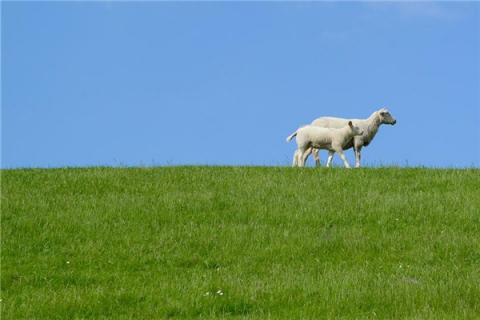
[
  {"x": 386, "y": 117},
  {"x": 355, "y": 129}
]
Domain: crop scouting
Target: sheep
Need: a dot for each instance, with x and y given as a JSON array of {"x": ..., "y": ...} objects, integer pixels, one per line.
[
  {"x": 331, "y": 139},
  {"x": 369, "y": 126}
]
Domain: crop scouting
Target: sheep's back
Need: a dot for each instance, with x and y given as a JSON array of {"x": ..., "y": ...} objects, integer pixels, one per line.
[
  {"x": 330, "y": 122},
  {"x": 318, "y": 136}
]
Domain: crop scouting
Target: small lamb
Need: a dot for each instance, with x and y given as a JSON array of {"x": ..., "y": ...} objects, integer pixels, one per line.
[{"x": 331, "y": 139}]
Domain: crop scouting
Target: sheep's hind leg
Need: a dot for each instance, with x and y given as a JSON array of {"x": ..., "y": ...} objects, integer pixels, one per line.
[
  {"x": 301, "y": 162},
  {"x": 316, "y": 156},
  {"x": 307, "y": 153},
  {"x": 304, "y": 155},
  {"x": 295, "y": 159}
]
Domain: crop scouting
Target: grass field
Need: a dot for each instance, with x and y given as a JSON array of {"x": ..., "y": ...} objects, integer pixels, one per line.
[{"x": 244, "y": 242}]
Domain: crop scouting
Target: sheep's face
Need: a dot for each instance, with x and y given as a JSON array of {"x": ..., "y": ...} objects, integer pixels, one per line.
[
  {"x": 386, "y": 117},
  {"x": 355, "y": 129}
]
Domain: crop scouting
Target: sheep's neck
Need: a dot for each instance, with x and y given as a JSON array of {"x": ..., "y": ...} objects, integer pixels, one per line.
[
  {"x": 373, "y": 123},
  {"x": 347, "y": 134}
]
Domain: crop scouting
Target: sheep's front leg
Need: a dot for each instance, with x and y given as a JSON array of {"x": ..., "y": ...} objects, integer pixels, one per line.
[
  {"x": 330, "y": 158},
  {"x": 357, "y": 156},
  {"x": 316, "y": 156},
  {"x": 342, "y": 155}
]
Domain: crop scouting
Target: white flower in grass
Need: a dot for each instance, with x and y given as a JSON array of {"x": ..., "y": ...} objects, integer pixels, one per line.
[{"x": 220, "y": 293}]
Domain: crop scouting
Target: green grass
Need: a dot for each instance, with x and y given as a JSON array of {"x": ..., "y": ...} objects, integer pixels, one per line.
[{"x": 279, "y": 243}]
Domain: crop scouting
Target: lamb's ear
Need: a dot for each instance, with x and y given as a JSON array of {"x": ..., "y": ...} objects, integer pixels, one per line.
[{"x": 350, "y": 123}]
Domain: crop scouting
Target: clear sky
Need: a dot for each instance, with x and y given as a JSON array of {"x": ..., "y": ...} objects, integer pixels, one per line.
[{"x": 224, "y": 83}]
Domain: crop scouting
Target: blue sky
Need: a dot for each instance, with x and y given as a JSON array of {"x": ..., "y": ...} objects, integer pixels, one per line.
[{"x": 223, "y": 83}]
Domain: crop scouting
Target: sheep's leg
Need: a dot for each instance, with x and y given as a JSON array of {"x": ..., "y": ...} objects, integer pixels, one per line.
[
  {"x": 342, "y": 155},
  {"x": 308, "y": 153},
  {"x": 304, "y": 156},
  {"x": 295, "y": 159},
  {"x": 357, "y": 156},
  {"x": 316, "y": 156},
  {"x": 330, "y": 158},
  {"x": 301, "y": 162}
]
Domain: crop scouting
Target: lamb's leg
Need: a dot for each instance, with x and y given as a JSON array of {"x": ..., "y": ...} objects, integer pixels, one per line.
[
  {"x": 303, "y": 155},
  {"x": 342, "y": 155},
  {"x": 295, "y": 159},
  {"x": 330, "y": 158},
  {"x": 307, "y": 153},
  {"x": 316, "y": 156},
  {"x": 301, "y": 162},
  {"x": 357, "y": 156}
]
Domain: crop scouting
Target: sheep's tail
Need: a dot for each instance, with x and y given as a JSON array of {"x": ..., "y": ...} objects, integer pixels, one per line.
[{"x": 290, "y": 137}]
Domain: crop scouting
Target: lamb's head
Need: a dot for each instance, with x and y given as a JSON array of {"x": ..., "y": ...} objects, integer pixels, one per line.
[
  {"x": 356, "y": 131},
  {"x": 386, "y": 117}
]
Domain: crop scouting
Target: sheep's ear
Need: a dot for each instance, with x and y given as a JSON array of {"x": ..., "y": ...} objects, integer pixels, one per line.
[{"x": 350, "y": 123}]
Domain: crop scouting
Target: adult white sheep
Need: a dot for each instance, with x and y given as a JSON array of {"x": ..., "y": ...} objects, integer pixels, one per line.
[
  {"x": 331, "y": 139},
  {"x": 369, "y": 126}
]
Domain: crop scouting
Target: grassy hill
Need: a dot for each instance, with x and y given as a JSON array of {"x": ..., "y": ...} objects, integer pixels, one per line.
[{"x": 252, "y": 243}]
